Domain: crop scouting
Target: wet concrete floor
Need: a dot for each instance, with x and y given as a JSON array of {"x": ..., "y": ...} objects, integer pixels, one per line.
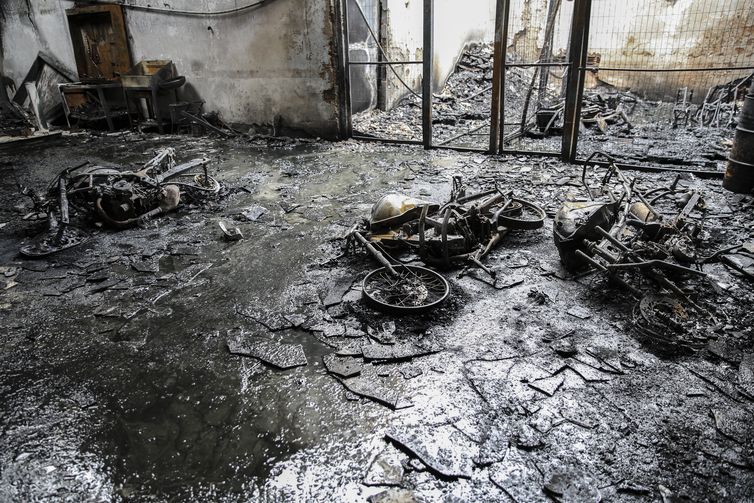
[{"x": 116, "y": 381}]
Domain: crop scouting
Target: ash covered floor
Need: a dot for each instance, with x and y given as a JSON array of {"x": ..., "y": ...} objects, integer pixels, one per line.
[{"x": 117, "y": 379}]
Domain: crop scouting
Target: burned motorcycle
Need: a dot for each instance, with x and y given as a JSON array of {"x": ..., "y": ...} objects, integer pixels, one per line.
[
  {"x": 618, "y": 228},
  {"x": 117, "y": 198},
  {"x": 458, "y": 233}
]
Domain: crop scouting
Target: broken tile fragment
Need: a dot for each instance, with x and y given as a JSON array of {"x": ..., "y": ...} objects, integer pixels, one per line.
[
  {"x": 526, "y": 437},
  {"x": 410, "y": 371},
  {"x": 733, "y": 423},
  {"x": 518, "y": 478},
  {"x": 579, "y": 312},
  {"x": 336, "y": 290},
  {"x": 343, "y": 366},
  {"x": 393, "y": 495},
  {"x": 271, "y": 320},
  {"x": 396, "y": 351},
  {"x": 253, "y": 213},
  {"x": 549, "y": 385},
  {"x": 282, "y": 356},
  {"x": 494, "y": 443},
  {"x": 374, "y": 389},
  {"x": 568, "y": 484},
  {"x": 444, "y": 449},
  {"x": 589, "y": 374},
  {"x": 386, "y": 469}
]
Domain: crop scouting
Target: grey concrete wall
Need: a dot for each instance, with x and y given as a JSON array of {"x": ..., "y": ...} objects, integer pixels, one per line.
[{"x": 274, "y": 63}]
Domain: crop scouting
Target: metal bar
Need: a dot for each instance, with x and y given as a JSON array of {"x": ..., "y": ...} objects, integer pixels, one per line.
[
  {"x": 385, "y": 63},
  {"x": 460, "y": 149},
  {"x": 579, "y": 42},
  {"x": 498, "y": 68},
  {"x": 504, "y": 38},
  {"x": 387, "y": 140},
  {"x": 656, "y": 169},
  {"x": 530, "y": 152},
  {"x": 654, "y": 70},
  {"x": 465, "y": 133},
  {"x": 427, "y": 57},
  {"x": 531, "y": 65},
  {"x": 342, "y": 70}
]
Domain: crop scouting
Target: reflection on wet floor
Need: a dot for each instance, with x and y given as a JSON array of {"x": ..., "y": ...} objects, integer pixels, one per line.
[{"x": 169, "y": 361}]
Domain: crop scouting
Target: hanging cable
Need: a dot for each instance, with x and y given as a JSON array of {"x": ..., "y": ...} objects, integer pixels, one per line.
[
  {"x": 382, "y": 51},
  {"x": 165, "y": 10}
]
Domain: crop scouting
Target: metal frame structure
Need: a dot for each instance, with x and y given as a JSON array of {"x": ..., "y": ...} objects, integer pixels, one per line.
[
  {"x": 576, "y": 67},
  {"x": 346, "y": 124}
]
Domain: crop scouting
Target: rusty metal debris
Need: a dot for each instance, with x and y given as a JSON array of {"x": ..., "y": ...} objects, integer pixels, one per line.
[
  {"x": 721, "y": 103},
  {"x": 458, "y": 233},
  {"x": 619, "y": 229},
  {"x": 682, "y": 106},
  {"x": 119, "y": 199},
  {"x": 624, "y": 229},
  {"x": 605, "y": 111}
]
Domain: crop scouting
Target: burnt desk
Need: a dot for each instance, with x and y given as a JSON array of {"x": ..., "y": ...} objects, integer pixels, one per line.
[{"x": 93, "y": 92}]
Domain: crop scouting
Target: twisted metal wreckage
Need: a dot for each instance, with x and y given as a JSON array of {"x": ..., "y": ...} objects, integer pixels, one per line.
[
  {"x": 619, "y": 229},
  {"x": 460, "y": 232},
  {"x": 616, "y": 229},
  {"x": 117, "y": 198}
]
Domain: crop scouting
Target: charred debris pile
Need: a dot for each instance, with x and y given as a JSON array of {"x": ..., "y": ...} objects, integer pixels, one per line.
[{"x": 619, "y": 122}]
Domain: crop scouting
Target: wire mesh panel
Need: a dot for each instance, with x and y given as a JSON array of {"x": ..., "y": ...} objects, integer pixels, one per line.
[
  {"x": 664, "y": 79},
  {"x": 535, "y": 69},
  {"x": 385, "y": 69}
]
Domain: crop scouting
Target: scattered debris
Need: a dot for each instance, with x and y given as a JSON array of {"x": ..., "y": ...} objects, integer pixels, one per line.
[
  {"x": 119, "y": 199},
  {"x": 234, "y": 234},
  {"x": 386, "y": 469}
]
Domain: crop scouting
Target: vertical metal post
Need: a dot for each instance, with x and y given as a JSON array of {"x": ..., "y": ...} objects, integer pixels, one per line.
[
  {"x": 577, "y": 58},
  {"x": 344, "y": 68},
  {"x": 498, "y": 70},
  {"x": 429, "y": 38},
  {"x": 502, "y": 9}
]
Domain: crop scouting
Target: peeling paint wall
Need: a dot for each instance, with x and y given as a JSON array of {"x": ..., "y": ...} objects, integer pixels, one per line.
[
  {"x": 273, "y": 63},
  {"x": 627, "y": 34},
  {"x": 654, "y": 34},
  {"x": 672, "y": 34}
]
